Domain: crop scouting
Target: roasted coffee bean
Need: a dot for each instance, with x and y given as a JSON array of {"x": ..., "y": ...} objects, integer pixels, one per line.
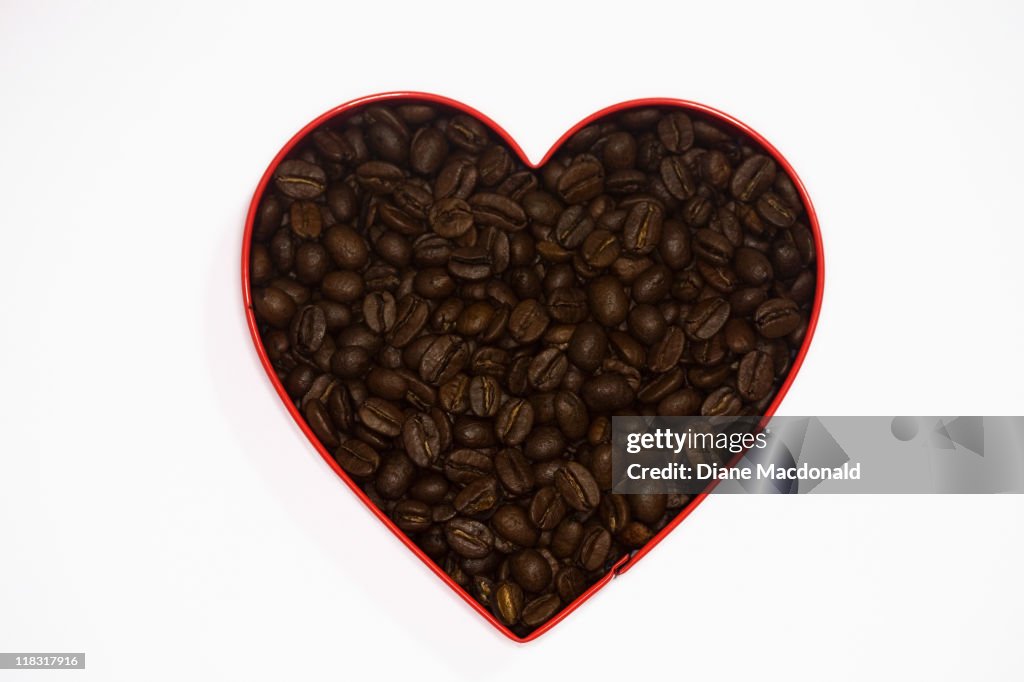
[
  {"x": 469, "y": 538},
  {"x": 753, "y": 177},
  {"x": 514, "y": 471},
  {"x": 514, "y": 421},
  {"x": 608, "y": 301},
  {"x": 581, "y": 181},
  {"x": 607, "y": 393},
  {"x": 594, "y": 548},
  {"x": 547, "y": 508},
  {"x": 484, "y": 396},
  {"x": 458, "y": 329},
  {"x": 379, "y": 311},
  {"x": 641, "y": 233},
  {"x": 298, "y": 179},
  {"x": 421, "y": 439},
  {"x": 571, "y": 415},
  {"x": 577, "y": 486},
  {"x": 508, "y": 602},
  {"x": 570, "y": 583},
  {"x": 547, "y": 369},
  {"x": 566, "y": 538},
  {"x": 381, "y": 416},
  {"x": 477, "y": 497},
  {"x": 706, "y": 318},
  {"x": 357, "y": 458},
  {"x": 676, "y": 132},
  {"x": 528, "y": 321},
  {"x": 755, "y": 375},
  {"x": 530, "y": 570},
  {"x": 545, "y": 442},
  {"x": 777, "y": 317}
]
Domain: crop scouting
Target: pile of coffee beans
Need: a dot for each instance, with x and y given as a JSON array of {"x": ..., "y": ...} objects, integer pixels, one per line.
[{"x": 458, "y": 329}]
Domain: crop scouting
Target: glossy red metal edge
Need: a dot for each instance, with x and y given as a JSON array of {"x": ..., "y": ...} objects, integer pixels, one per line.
[{"x": 628, "y": 561}]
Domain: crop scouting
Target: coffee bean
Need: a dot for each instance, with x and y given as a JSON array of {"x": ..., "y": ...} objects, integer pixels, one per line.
[
  {"x": 577, "y": 486},
  {"x": 571, "y": 415},
  {"x": 581, "y": 181},
  {"x": 512, "y": 523},
  {"x": 530, "y": 570},
  {"x": 776, "y": 317},
  {"x": 484, "y": 396},
  {"x": 753, "y": 177},
  {"x": 641, "y": 233},
  {"x": 608, "y": 301},
  {"x": 528, "y": 321},
  {"x": 298, "y": 179},
  {"x": 514, "y": 471},
  {"x": 381, "y": 416},
  {"x": 547, "y": 508},
  {"x": 509, "y": 602},
  {"x": 594, "y": 548},
  {"x": 755, "y": 375},
  {"x": 477, "y": 497},
  {"x": 379, "y": 311},
  {"x": 706, "y": 318},
  {"x": 468, "y": 538},
  {"x": 607, "y": 393},
  {"x": 421, "y": 439},
  {"x": 514, "y": 421},
  {"x": 357, "y": 458}
]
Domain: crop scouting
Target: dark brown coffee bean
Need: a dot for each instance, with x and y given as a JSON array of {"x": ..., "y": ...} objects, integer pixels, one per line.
[
  {"x": 514, "y": 471},
  {"x": 379, "y": 311},
  {"x": 381, "y": 416},
  {"x": 642, "y": 230},
  {"x": 477, "y": 497},
  {"x": 467, "y": 132},
  {"x": 753, "y": 177},
  {"x": 547, "y": 369},
  {"x": 547, "y": 508},
  {"x": 777, "y": 317},
  {"x": 588, "y": 346},
  {"x": 666, "y": 353},
  {"x": 571, "y": 415},
  {"x": 469, "y": 538},
  {"x": 706, "y": 318},
  {"x": 484, "y": 396},
  {"x": 297, "y": 179},
  {"x": 412, "y": 516},
  {"x": 608, "y": 301},
  {"x": 570, "y": 583},
  {"x": 512, "y": 523},
  {"x": 594, "y": 548},
  {"x": 581, "y": 181},
  {"x": 543, "y": 443},
  {"x": 497, "y": 211},
  {"x": 607, "y": 393},
  {"x": 514, "y": 421},
  {"x": 357, "y": 458},
  {"x": 508, "y": 603},
  {"x": 752, "y": 266},
  {"x": 528, "y": 321},
  {"x": 635, "y": 535},
  {"x": 577, "y": 486},
  {"x": 566, "y": 538},
  {"x": 723, "y": 402},
  {"x": 755, "y": 375},
  {"x": 421, "y": 439},
  {"x": 530, "y": 570},
  {"x": 676, "y": 132}
]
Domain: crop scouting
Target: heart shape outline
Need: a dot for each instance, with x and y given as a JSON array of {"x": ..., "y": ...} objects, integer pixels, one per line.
[{"x": 629, "y": 560}]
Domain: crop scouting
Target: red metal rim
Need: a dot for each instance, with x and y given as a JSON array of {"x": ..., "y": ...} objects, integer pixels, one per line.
[{"x": 628, "y": 561}]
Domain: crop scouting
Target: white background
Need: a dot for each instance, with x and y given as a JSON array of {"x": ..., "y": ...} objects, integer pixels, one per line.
[{"x": 159, "y": 510}]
